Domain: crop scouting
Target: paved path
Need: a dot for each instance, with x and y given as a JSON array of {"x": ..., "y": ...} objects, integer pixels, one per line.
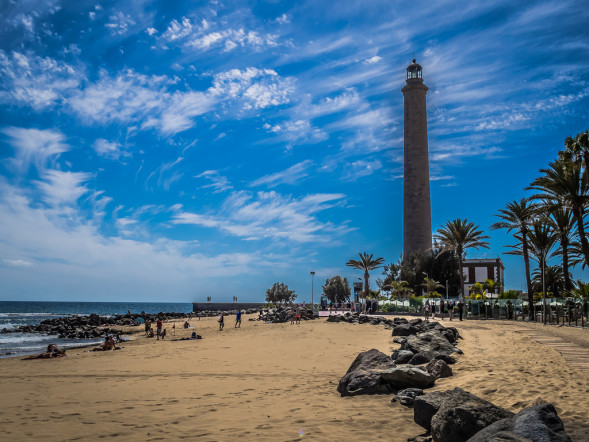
[{"x": 574, "y": 354}]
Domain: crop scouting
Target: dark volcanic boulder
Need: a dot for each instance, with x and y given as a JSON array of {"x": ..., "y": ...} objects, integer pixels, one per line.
[
  {"x": 363, "y": 376},
  {"x": 370, "y": 360},
  {"x": 407, "y": 376},
  {"x": 407, "y": 396},
  {"x": 427, "y": 405},
  {"x": 415, "y": 321},
  {"x": 539, "y": 423},
  {"x": 401, "y": 356},
  {"x": 405, "y": 330},
  {"x": 439, "y": 369},
  {"x": 362, "y": 382},
  {"x": 421, "y": 358},
  {"x": 446, "y": 358},
  {"x": 431, "y": 341},
  {"x": 462, "y": 415}
]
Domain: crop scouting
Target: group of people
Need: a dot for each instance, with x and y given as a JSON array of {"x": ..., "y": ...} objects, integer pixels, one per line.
[
  {"x": 53, "y": 351},
  {"x": 221, "y": 320},
  {"x": 429, "y": 309}
]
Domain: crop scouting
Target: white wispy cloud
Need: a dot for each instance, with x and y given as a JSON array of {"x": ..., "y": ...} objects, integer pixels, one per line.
[
  {"x": 218, "y": 182},
  {"x": 35, "y": 81},
  {"x": 120, "y": 23},
  {"x": 271, "y": 215},
  {"x": 166, "y": 175},
  {"x": 63, "y": 188},
  {"x": 109, "y": 149},
  {"x": 293, "y": 175},
  {"x": 34, "y": 147}
]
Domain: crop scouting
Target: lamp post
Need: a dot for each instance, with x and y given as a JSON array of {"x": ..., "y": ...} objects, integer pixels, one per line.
[
  {"x": 543, "y": 290},
  {"x": 312, "y": 280}
]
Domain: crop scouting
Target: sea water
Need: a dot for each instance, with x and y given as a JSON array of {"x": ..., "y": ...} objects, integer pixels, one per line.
[{"x": 16, "y": 313}]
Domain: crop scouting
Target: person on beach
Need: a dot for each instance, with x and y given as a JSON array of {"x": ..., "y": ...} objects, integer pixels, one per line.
[
  {"x": 147, "y": 327},
  {"x": 221, "y": 322},
  {"x": 109, "y": 344},
  {"x": 460, "y": 306},
  {"x": 158, "y": 328},
  {"x": 292, "y": 316},
  {"x": 238, "y": 319},
  {"x": 442, "y": 307},
  {"x": 426, "y": 310},
  {"x": 451, "y": 310},
  {"x": 163, "y": 334},
  {"x": 298, "y": 315},
  {"x": 53, "y": 351}
]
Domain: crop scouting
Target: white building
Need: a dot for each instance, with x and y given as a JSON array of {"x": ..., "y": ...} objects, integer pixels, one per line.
[{"x": 479, "y": 270}]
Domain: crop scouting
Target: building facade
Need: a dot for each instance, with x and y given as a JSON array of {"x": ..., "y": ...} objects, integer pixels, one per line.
[
  {"x": 479, "y": 270},
  {"x": 417, "y": 224}
]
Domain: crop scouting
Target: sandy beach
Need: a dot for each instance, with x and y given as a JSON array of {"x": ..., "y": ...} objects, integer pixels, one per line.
[{"x": 271, "y": 382}]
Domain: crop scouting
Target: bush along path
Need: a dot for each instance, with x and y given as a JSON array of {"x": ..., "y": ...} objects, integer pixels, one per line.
[{"x": 427, "y": 349}]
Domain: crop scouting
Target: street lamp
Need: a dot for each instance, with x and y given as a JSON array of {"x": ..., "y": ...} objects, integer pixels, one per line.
[{"x": 312, "y": 280}]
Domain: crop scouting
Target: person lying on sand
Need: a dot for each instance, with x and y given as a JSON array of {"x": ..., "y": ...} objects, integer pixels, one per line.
[
  {"x": 193, "y": 336},
  {"x": 109, "y": 344},
  {"x": 53, "y": 351}
]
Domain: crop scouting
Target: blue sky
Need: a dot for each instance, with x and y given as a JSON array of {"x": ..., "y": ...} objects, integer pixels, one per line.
[{"x": 154, "y": 150}]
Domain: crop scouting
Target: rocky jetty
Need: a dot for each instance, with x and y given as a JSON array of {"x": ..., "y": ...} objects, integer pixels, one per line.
[
  {"x": 282, "y": 314},
  {"x": 459, "y": 416}
]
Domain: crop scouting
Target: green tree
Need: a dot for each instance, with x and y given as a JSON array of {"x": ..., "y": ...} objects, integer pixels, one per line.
[
  {"x": 431, "y": 285},
  {"x": 553, "y": 280},
  {"x": 565, "y": 182},
  {"x": 476, "y": 291},
  {"x": 509, "y": 294},
  {"x": 517, "y": 217},
  {"x": 577, "y": 150},
  {"x": 562, "y": 222},
  {"x": 398, "y": 290},
  {"x": 458, "y": 236},
  {"x": 542, "y": 239},
  {"x": 490, "y": 286},
  {"x": 337, "y": 289},
  {"x": 581, "y": 290},
  {"x": 366, "y": 263},
  {"x": 280, "y": 293}
]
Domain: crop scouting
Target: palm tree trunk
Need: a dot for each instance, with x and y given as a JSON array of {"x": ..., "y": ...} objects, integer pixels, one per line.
[
  {"x": 366, "y": 287},
  {"x": 461, "y": 272},
  {"x": 581, "y": 229},
  {"x": 564, "y": 244},
  {"x": 526, "y": 254}
]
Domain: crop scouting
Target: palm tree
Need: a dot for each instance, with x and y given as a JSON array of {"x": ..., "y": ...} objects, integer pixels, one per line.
[
  {"x": 562, "y": 222},
  {"x": 576, "y": 149},
  {"x": 553, "y": 280},
  {"x": 366, "y": 263},
  {"x": 564, "y": 182},
  {"x": 517, "y": 216},
  {"x": 398, "y": 289},
  {"x": 458, "y": 236},
  {"x": 542, "y": 239},
  {"x": 581, "y": 290},
  {"x": 431, "y": 285}
]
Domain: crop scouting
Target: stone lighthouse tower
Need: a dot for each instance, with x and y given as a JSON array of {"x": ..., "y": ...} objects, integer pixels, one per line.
[{"x": 417, "y": 223}]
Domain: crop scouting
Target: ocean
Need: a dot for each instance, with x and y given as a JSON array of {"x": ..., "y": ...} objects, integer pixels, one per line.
[{"x": 16, "y": 313}]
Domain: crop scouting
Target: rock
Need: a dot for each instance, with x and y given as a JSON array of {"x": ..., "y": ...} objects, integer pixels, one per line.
[
  {"x": 371, "y": 360},
  {"x": 399, "y": 340},
  {"x": 431, "y": 341},
  {"x": 426, "y": 406},
  {"x": 539, "y": 423},
  {"x": 421, "y": 358},
  {"x": 446, "y": 358},
  {"x": 362, "y": 382},
  {"x": 363, "y": 376},
  {"x": 401, "y": 356},
  {"x": 407, "y": 396},
  {"x": 439, "y": 369},
  {"x": 407, "y": 376},
  {"x": 462, "y": 415},
  {"x": 405, "y": 330},
  {"x": 415, "y": 321}
]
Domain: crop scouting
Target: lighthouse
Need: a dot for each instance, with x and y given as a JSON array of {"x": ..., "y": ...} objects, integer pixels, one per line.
[{"x": 417, "y": 223}]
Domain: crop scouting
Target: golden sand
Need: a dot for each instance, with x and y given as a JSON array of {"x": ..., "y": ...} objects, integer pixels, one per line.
[{"x": 270, "y": 382}]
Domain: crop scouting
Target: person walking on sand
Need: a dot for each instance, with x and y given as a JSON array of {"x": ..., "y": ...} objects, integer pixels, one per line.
[
  {"x": 158, "y": 327},
  {"x": 460, "y": 308},
  {"x": 298, "y": 314},
  {"x": 221, "y": 322},
  {"x": 451, "y": 310},
  {"x": 292, "y": 316},
  {"x": 442, "y": 307},
  {"x": 238, "y": 319},
  {"x": 426, "y": 310}
]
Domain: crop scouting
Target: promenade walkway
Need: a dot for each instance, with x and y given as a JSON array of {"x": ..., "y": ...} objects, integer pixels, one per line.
[{"x": 575, "y": 354}]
